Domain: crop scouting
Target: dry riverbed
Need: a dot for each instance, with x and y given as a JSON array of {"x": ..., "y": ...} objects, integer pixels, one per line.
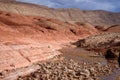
[
  {"x": 74, "y": 64},
  {"x": 61, "y": 68}
]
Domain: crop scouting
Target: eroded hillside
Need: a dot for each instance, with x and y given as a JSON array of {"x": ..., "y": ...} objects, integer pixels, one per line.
[
  {"x": 97, "y": 17},
  {"x": 29, "y": 36}
]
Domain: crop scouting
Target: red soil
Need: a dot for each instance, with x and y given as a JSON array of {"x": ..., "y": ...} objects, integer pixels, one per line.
[
  {"x": 115, "y": 28},
  {"x": 28, "y": 39}
]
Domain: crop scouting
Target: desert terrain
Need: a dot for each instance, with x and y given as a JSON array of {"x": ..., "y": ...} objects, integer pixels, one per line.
[{"x": 42, "y": 43}]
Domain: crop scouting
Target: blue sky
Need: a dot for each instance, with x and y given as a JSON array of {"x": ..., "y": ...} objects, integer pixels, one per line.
[{"x": 109, "y": 5}]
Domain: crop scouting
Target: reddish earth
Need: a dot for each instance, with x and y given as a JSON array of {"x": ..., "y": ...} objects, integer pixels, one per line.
[
  {"x": 28, "y": 39},
  {"x": 114, "y": 28},
  {"x": 25, "y": 40}
]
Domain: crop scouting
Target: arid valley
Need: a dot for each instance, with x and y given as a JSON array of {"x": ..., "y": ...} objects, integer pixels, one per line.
[{"x": 42, "y": 43}]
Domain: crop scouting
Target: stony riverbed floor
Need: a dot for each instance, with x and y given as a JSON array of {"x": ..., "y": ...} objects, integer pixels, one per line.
[{"x": 60, "y": 68}]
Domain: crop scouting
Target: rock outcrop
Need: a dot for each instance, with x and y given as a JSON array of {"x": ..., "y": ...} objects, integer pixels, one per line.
[
  {"x": 102, "y": 40},
  {"x": 107, "y": 44},
  {"x": 97, "y": 17},
  {"x": 112, "y": 53}
]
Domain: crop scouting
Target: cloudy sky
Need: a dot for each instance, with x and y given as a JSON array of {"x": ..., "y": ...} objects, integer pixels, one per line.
[{"x": 109, "y": 5}]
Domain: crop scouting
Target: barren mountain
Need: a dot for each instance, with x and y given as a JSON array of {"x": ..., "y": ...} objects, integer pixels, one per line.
[
  {"x": 35, "y": 38},
  {"x": 97, "y": 17}
]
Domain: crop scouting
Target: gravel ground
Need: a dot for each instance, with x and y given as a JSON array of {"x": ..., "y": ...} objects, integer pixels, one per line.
[{"x": 60, "y": 68}]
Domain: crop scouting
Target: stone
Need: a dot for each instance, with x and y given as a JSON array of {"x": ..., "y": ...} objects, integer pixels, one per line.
[{"x": 85, "y": 72}]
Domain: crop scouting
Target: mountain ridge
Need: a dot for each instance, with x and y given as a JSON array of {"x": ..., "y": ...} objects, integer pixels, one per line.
[{"x": 95, "y": 17}]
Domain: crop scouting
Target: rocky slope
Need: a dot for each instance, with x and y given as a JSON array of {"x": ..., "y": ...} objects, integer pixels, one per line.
[
  {"x": 35, "y": 38},
  {"x": 107, "y": 44},
  {"x": 97, "y": 17},
  {"x": 31, "y": 27},
  {"x": 102, "y": 40}
]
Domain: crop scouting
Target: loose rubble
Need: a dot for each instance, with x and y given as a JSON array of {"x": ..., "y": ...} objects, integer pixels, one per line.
[{"x": 60, "y": 68}]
